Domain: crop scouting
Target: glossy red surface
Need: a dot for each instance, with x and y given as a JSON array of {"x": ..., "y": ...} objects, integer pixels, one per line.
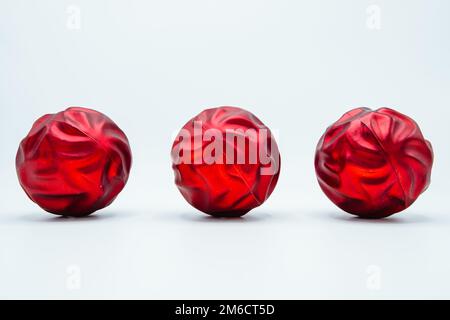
[
  {"x": 373, "y": 163},
  {"x": 223, "y": 189},
  {"x": 73, "y": 162}
]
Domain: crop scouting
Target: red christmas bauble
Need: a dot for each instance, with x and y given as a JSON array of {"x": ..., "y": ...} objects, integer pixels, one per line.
[
  {"x": 373, "y": 163},
  {"x": 74, "y": 162},
  {"x": 226, "y": 162}
]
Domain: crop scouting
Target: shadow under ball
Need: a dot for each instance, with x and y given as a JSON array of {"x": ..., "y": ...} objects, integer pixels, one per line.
[{"x": 373, "y": 163}]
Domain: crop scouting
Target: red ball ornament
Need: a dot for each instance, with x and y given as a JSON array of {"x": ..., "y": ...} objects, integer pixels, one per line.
[
  {"x": 226, "y": 162},
  {"x": 74, "y": 162},
  {"x": 373, "y": 163}
]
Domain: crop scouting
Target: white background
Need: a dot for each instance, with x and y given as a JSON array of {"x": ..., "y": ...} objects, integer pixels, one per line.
[{"x": 152, "y": 65}]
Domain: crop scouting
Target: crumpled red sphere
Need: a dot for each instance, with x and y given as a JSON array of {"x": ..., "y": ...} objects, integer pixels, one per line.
[
  {"x": 225, "y": 189},
  {"x": 373, "y": 163},
  {"x": 74, "y": 162}
]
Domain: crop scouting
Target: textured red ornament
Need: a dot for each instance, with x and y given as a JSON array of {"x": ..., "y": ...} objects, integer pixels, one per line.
[
  {"x": 73, "y": 162},
  {"x": 225, "y": 189},
  {"x": 373, "y": 163}
]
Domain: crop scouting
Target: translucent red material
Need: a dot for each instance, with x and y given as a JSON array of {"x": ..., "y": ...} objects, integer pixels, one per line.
[
  {"x": 224, "y": 189},
  {"x": 373, "y": 163},
  {"x": 73, "y": 162}
]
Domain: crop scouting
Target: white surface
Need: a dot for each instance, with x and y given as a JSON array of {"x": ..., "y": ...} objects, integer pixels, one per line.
[
  {"x": 271, "y": 253},
  {"x": 152, "y": 65}
]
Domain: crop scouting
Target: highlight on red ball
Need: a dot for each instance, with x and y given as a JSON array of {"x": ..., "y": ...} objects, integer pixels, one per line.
[
  {"x": 74, "y": 162},
  {"x": 226, "y": 161},
  {"x": 373, "y": 163}
]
